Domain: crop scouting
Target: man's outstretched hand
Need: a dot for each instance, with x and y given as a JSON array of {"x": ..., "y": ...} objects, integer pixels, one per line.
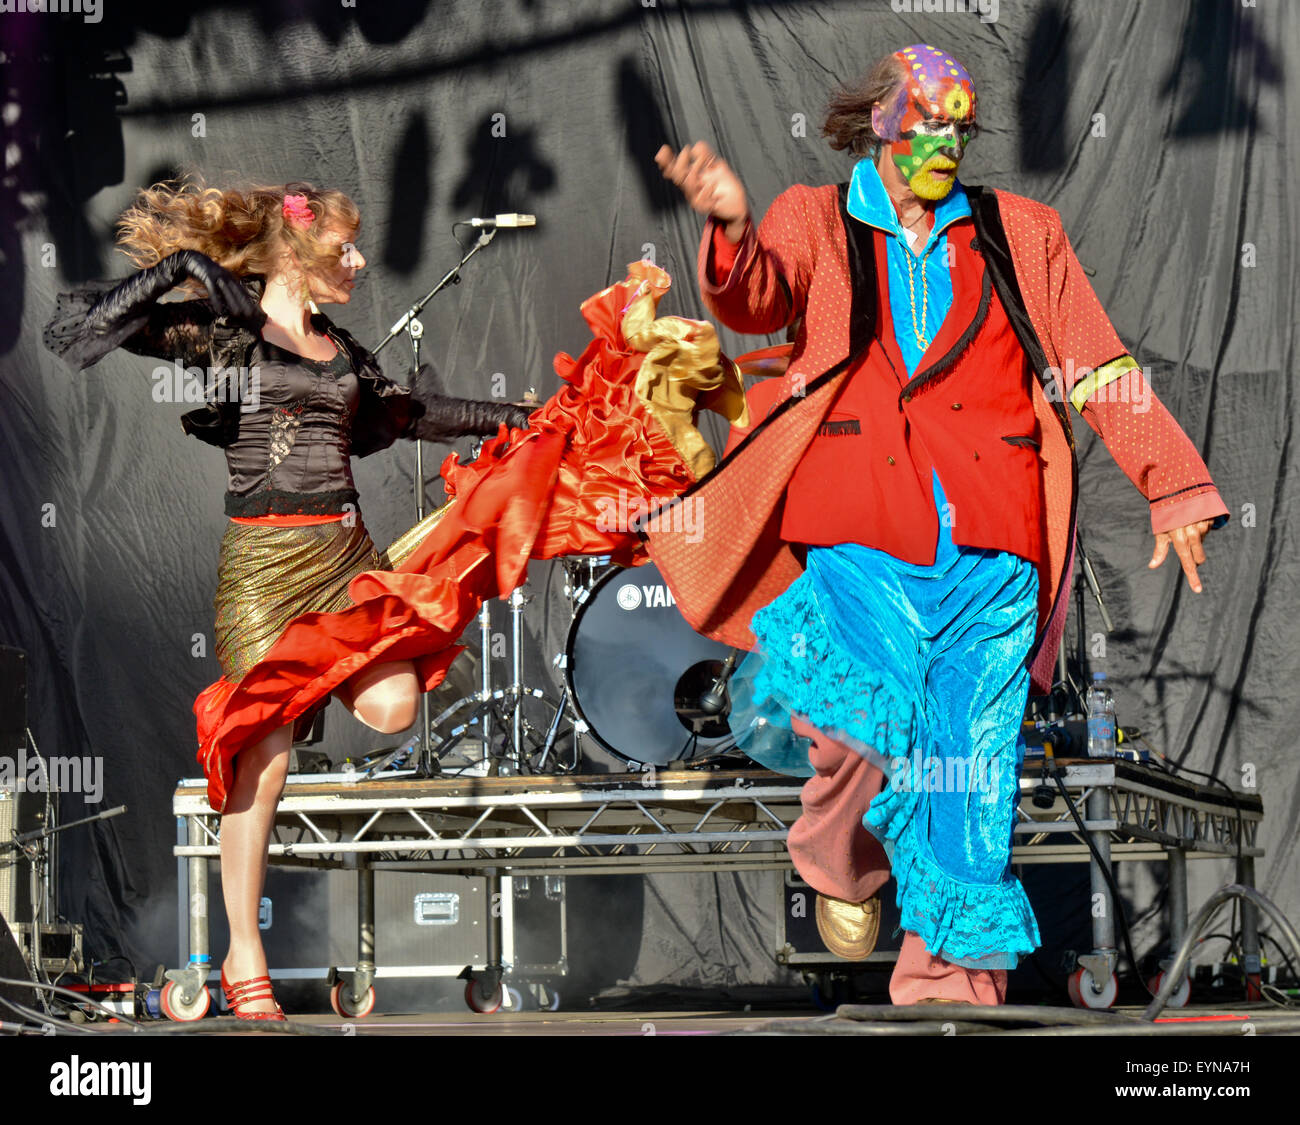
[
  {"x": 1187, "y": 543},
  {"x": 708, "y": 183}
]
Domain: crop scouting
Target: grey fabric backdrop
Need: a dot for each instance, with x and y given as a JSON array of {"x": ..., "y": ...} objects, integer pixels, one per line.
[{"x": 1156, "y": 128}]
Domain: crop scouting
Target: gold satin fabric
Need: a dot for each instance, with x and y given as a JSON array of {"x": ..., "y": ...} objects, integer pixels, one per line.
[
  {"x": 684, "y": 372},
  {"x": 269, "y": 575},
  {"x": 405, "y": 543}
]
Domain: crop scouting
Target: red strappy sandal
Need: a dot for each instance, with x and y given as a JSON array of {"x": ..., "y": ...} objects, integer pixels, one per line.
[{"x": 248, "y": 991}]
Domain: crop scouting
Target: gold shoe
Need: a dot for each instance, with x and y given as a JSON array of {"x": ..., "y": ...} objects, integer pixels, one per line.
[{"x": 848, "y": 929}]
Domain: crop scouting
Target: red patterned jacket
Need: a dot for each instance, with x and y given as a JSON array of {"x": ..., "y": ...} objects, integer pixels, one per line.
[{"x": 809, "y": 259}]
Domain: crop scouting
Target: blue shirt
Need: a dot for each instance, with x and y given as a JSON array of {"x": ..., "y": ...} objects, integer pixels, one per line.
[{"x": 869, "y": 202}]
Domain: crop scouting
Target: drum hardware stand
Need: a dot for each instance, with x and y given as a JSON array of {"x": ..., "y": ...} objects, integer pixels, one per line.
[
  {"x": 511, "y": 698},
  {"x": 505, "y": 705},
  {"x": 427, "y": 764},
  {"x": 516, "y": 755}
]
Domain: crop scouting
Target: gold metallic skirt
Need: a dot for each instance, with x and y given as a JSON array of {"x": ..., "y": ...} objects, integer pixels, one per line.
[{"x": 269, "y": 575}]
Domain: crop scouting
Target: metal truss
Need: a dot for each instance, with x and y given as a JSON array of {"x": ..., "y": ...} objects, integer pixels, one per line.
[
  {"x": 1144, "y": 812},
  {"x": 683, "y": 821},
  {"x": 688, "y": 821}
]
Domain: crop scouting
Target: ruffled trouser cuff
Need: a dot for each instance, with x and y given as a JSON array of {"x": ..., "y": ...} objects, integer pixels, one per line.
[{"x": 957, "y": 920}]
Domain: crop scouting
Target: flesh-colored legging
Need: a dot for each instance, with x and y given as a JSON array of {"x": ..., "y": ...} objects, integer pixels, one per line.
[{"x": 835, "y": 855}]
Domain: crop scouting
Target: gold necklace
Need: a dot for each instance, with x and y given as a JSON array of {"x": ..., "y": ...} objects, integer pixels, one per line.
[{"x": 921, "y": 341}]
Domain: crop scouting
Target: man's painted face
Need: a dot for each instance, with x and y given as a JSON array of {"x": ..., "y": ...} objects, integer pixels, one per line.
[{"x": 931, "y": 120}]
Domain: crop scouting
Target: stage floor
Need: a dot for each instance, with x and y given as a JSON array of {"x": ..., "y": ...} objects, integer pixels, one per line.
[{"x": 1224, "y": 1021}]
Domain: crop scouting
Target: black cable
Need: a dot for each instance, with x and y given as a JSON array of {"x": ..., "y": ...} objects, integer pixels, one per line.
[
  {"x": 1286, "y": 960},
  {"x": 99, "y": 963},
  {"x": 41, "y": 986},
  {"x": 1177, "y": 767},
  {"x": 42, "y": 1021},
  {"x": 288, "y": 1027},
  {"x": 1241, "y": 830},
  {"x": 1281, "y": 1000}
]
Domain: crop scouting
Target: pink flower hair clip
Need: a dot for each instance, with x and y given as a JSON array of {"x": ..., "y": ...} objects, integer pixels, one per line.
[{"x": 297, "y": 213}]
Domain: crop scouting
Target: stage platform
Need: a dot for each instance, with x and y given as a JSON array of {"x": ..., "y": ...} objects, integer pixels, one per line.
[{"x": 698, "y": 820}]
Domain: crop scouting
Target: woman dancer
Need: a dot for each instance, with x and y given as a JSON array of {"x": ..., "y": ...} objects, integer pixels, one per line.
[{"x": 291, "y": 397}]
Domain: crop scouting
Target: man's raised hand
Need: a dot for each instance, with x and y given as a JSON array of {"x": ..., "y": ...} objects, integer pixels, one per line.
[{"x": 708, "y": 183}]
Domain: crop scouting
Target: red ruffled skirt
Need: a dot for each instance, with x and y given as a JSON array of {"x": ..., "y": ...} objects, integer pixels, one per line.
[{"x": 614, "y": 434}]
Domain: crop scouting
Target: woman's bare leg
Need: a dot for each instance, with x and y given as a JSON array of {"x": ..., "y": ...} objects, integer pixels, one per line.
[
  {"x": 386, "y": 697},
  {"x": 245, "y": 839}
]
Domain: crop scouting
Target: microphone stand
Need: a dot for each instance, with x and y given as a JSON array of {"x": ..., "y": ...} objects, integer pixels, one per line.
[
  {"x": 451, "y": 277},
  {"x": 426, "y": 763},
  {"x": 1087, "y": 579},
  {"x": 34, "y": 847},
  {"x": 1095, "y": 587}
]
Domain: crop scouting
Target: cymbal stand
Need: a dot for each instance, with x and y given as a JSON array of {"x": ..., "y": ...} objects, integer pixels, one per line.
[{"x": 503, "y": 708}]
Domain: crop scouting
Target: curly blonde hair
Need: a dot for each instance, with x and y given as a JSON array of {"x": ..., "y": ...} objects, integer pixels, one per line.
[{"x": 242, "y": 229}]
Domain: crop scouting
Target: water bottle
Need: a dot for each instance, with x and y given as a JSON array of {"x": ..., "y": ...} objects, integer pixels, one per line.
[{"x": 1101, "y": 718}]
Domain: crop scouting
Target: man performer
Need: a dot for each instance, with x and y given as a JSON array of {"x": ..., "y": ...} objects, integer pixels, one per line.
[{"x": 893, "y": 540}]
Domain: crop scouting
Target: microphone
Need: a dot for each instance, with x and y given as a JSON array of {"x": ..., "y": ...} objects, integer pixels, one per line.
[
  {"x": 511, "y": 220},
  {"x": 715, "y": 699}
]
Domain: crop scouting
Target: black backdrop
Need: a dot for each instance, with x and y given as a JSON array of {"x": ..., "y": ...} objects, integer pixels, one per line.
[{"x": 1157, "y": 129}]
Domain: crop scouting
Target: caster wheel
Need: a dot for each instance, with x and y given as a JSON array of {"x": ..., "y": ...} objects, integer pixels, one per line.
[
  {"x": 176, "y": 1010},
  {"x": 480, "y": 1001},
  {"x": 1180, "y": 995},
  {"x": 554, "y": 998},
  {"x": 343, "y": 1005},
  {"x": 1084, "y": 992},
  {"x": 516, "y": 999}
]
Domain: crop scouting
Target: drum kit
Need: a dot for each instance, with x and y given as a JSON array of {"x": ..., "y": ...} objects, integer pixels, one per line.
[{"x": 635, "y": 679}]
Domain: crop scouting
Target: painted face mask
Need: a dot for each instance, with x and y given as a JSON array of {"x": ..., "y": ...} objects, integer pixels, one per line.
[{"x": 931, "y": 120}]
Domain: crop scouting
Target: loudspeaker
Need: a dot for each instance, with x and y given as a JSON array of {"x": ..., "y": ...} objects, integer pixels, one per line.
[{"x": 20, "y": 812}]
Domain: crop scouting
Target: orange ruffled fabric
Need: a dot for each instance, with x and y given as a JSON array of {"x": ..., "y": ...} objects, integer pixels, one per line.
[{"x": 591, "y": 453}]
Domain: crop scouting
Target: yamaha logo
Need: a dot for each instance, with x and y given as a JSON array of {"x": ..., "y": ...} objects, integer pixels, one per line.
[
  {"x": 629, "y": 596},
  {"x": 651, "y": 597}
]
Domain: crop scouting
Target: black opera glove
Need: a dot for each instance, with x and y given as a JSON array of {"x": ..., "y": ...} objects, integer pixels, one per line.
[
  {"x": 438, "y": 417},
  {"x": 92, "y": 320},
  {"x": 132, "y": 300},
  {"x": 226, "y": 292}
]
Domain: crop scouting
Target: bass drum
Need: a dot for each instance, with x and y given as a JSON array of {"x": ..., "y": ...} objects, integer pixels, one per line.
[{"x": 636, "y": 672}]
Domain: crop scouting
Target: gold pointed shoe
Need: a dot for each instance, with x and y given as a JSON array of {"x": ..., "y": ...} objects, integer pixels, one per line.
[{"x": 848, "y": 929}]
